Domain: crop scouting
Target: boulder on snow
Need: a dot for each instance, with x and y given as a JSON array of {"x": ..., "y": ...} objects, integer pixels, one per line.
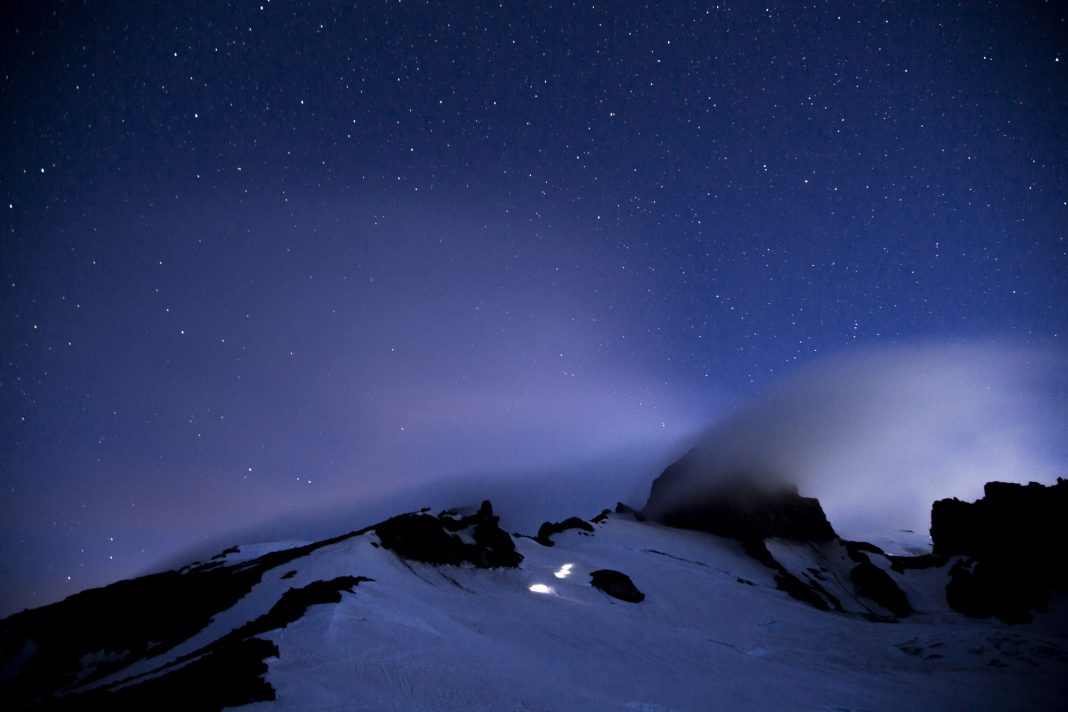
[
  {"x": 617, "y": 585},
  {"x": 1013, "y": 540}
]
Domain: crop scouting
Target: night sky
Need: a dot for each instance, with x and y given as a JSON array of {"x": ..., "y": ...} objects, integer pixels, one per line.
[{"x": 264, "y": 259}]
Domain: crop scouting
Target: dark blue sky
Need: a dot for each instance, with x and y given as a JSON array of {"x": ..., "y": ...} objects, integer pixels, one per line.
[{"x": 260, "y": 259}]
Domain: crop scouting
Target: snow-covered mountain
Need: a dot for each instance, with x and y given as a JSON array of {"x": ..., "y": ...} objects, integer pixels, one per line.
[{"x": 767, "y": 610}]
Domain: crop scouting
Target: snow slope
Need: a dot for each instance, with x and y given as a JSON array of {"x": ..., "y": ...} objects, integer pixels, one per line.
[
  {"x": 713, "y": 633},
  {"x": 424, "y": 638}
]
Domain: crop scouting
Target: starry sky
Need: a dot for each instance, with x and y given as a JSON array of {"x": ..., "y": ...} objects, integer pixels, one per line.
[{"x": 267, "y": 257}]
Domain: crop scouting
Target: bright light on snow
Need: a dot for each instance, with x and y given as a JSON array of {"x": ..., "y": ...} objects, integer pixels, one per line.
[
  {"x": 563, "y": 572},
  {"x": 540, "y": 588}
]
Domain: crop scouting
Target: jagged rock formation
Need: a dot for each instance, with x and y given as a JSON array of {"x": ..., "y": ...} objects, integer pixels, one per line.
[
  {"x": 837, "y": 576},
  {"x": 809, "y": 591},
  {"x": 617, "y": 585},
  {"x": 1012, "y": 541},
  {"x": 740, "y": 508},
  {"x": 872, "y": 582},
  {"x": 435, "y": 540},
  {"x": 754, "y": 511},
  {"x": 137, "y": 619}
]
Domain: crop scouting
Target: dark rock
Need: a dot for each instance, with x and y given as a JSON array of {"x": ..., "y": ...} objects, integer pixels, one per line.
[
  {"x": 143, "y": 617},
  {"x": 547, "y": 529},
  {"x": 811, "y": 593},
  {"x": 602, "y": 517},
  {"x": 422, "y": 537},
  {"x": 827, "y": 595},
  {"x": 860, "y": 547},
  {"x": 817, "y": 573},
  {"x": 225, "y": 677},
  {"x": 1010, "y": 520},
  {"x": 901, "y": 564},
  {"x": 746, "y": 512},
  {"x": 757, "y": 549},
  {"x": 811, "y": 586},
  {"x": 982, "y": 589},
  {"x": 449, "y": 521},
  {"x": 617, "y": 585},
  {"x": 872, "y": 582},
  {"x": 626, "y": 509},
  {"x": 294, "y": 603},
  {"x": 739, "y": 508},
  {"x": 228, "y": 671},
  {"x": 796, "y": 588},
  {"x": 495, "y": 547},
  {"x": 1014, "y": 539}
]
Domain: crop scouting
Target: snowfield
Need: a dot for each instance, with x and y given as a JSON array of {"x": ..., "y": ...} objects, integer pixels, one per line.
[
  {"x": 712, "y": 633},
  {"x": 421, "y": 637}
]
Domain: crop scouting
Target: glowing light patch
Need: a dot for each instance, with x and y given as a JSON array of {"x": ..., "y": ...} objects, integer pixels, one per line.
[
  {"x": 540, "y": 588},
  {"x": 563, "y": 572}
]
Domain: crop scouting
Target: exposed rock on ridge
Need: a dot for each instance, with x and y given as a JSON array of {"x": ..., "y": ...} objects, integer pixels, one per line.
[
  {"x": 754, "y": 511},
  {"x": 1012, "y": 541},
  {"x": 548, "y": 529},
  {"x": 435, "y": 540},
  {"x": 739, "y": 508}
]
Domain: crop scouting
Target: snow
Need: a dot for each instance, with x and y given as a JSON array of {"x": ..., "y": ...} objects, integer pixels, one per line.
[
  {"x": 713, "y": 633},
  {"x": 424, "y": 638}
]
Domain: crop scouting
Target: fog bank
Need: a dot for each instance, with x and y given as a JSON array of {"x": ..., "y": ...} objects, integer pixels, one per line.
[{"x": 878, "y": 436}]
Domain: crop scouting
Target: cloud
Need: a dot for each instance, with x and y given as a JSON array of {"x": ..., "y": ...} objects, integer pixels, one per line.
[{"x": 879, "y": 435}]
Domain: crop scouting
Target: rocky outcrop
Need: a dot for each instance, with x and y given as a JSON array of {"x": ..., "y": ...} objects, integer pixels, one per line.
[
  {"x": 901, "y": 564},
  {"x": 834, "y": 576},
  {"x": 437, "y": 540},
  {"x": 140, "y": 618},
  {"x": 617, "y": 585},
  {"x": 740, "y": 507},
  {"x": 548, "y": 529},
  {"x": 223, "y": 677},
  {"x": 873, "y": 583},
  {"x": 1009, "y": 520},
  {"x": 754, "y": 511},
  {"x": 808, "y": 591},
  {"x": 630, "y": 511},
  {"x": 1011, "y": 543}
]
